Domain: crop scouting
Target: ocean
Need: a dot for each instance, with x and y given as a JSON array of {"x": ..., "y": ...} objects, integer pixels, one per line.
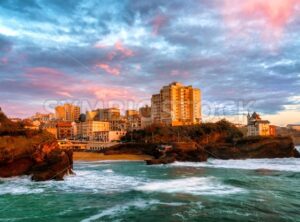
[{"x": 218, "y": 190}]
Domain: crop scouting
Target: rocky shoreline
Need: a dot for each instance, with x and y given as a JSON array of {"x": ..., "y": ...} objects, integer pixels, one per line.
[
  {"x": 31, "y": 152},
  {"x": 37, "y": 153},
  {"x": 43, "y": 161},
  {"x": 247, "y": 148}
]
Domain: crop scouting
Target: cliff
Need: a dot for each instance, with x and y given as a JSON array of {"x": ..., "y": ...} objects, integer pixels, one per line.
[
  {"x": 220, "y": 140},
  {"x": 30, "y": 152},
  {"x": 254, "y": 147}
]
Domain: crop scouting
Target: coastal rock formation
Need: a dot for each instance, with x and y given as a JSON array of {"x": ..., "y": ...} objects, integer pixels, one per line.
[
  {"x": 220, "y": 140},
  {"x": 31, "y": 152},
  {"x": 180, "y": 152},
  {"x": 257, "y": 147},
  {"x": 42, "y": 160}
]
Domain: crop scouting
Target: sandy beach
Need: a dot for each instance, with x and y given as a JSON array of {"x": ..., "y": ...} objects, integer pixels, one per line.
[{"x": 88, "y": 156}]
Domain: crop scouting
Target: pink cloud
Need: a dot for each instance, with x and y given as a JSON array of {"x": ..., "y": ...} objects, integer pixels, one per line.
[
  {"x": 125, "y": 51},
  {"x": 107, "y": 68},
  {"x": 4, "y": 60},
  {"x": 44, "y": 71},
  {"x": 65, "y": 94},
  {"x": 118, "y": 49},
  {"x": 176, "y": 72},
  {"x": 274, "y": 15},
  {"x": 111, "y": 93},
  {"x": 44, "y": 84},
  {"x": 157, "y": 23},
  {"x": 50, "y": 81},
  {"x": 100, "y": 46}
]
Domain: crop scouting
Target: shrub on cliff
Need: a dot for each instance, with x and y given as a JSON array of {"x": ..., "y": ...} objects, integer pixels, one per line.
[{"x": 167, "y": 134}]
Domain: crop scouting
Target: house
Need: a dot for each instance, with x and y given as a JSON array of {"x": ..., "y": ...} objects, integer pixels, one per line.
[{"x": 256, "y": 126}]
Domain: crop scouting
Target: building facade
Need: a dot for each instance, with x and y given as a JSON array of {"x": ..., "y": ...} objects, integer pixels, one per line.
[
  {"x": 145, "y": 111},
  {"x": 108, "y": 136},
  {"x": 86, "y": 130},
  {"x": 256, "y": 126},
  {"x": 67, "y": 112},
  {"x": 176, "y": 105},
  {"x": 109, "y": 114},
  {"x": 64, "y": 130},
  {"x": 294, "y": 127}
]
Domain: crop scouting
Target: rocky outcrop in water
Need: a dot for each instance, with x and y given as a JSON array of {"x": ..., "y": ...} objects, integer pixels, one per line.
[
  {"x": 221, "y": 140},
  {"x": 43, "y": 160},
  {"x": 30, "y": 152},
  {"x": 246, "y": 148},
  {"x": 255, "y": 147}
]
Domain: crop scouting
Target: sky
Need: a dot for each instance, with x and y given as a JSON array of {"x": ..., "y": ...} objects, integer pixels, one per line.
[{"x": 243, "y": 55}]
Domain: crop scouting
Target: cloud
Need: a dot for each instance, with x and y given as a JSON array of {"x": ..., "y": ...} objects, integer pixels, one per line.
[
  {"x": 69, "y": 50},
  {"x": 270, "y": 17},
  {"x": 158, "y": 22},
  {"x": 125, "y": 51},
  {"x": 107, "y": 68}
]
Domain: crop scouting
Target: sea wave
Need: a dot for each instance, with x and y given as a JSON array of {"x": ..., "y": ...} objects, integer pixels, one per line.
[
  {"x": 19, "y": 186},
  {"x": 104, "y": 181},
  {"x": 285, "y": 164},
  {"x": 116, "y": 210},
  {"x": 190, "y": 185}
]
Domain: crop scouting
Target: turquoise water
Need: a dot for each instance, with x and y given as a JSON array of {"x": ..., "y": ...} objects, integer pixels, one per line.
[{"x": 241, "y": 190}]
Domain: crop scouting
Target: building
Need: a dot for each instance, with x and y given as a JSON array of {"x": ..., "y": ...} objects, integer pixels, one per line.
[
  {"x": 118, "y": 125},
  {"x": 64, "y": 130},
  {"x": 176, "y": 105},
  {"x": 86, "y": 130},
  {"x": 134, "y": 123},
  {"x": 67, "y": 112},
  {"x": 108, "y": 136},
  {"x": 109, "y": 114},
  {"x": 294, "y": 127},
  {"x": 131, "y": 113},
  {"x": 92, "y": 115},
  {"x": 145, "y": 114},
  {"x": 145, "y": 122},
  {"x": 43, "y": 117},
  {"x": 273, "y": 130},
  {"x": 256, "y": 126},
  {"x": 50, "y": 127},
  {"x": 145, "y": 111},
  {"x": 133, "y": 120}
]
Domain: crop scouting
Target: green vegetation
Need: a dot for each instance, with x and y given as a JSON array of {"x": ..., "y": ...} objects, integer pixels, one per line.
[{"x": 197, "y": 133}]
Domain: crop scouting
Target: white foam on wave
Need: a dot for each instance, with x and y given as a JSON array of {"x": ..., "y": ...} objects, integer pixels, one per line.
[
  {"x": 108, "y": 171},
  {"x": 139, "y": 204},
  {"x": 100, "y": 181},
  {"x": 298, "y": 148},
  {"x": 191, "y": 185},
  {"x": 18, "y": 186},
  {"x": 106, "y": 180},
  {"x": 285, "y": 164},
  {"x": 121, "y": 208}
]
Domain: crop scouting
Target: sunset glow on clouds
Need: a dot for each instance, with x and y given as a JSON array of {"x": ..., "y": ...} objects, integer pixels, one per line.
[
  {"x": 234, "y": 50},
  {"x": 108, "y": 69},
  {"x": 270, "y": 17}
]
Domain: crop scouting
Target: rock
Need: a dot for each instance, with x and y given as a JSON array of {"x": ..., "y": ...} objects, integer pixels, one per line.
[
  {"x": 44, "y": 160},
  {"x": 185, "y": 154},
  {"x": 31, "y": 152},
  {"x": 16, "y": 168},
  {"x": 164, "y": 160},
  {"x": 277, "y": 147},
  {"x": 56, "y": 167}
]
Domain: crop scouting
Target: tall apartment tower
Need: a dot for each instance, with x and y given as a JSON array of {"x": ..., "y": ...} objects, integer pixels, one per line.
[
  {"x": 67, "y": 112},
  {"x": 176, "y": 105}
]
